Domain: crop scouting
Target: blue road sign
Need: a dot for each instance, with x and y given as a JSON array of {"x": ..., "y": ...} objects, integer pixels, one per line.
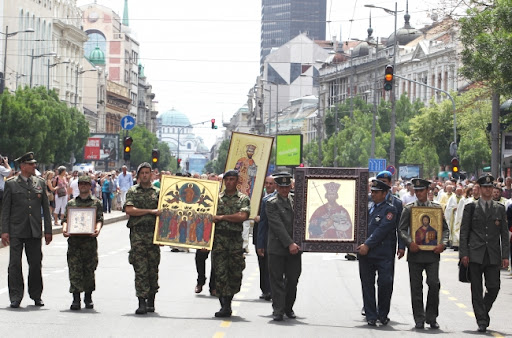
[
  {"x": 376, "y": 164},
  {"x": 127, "y": 122}
]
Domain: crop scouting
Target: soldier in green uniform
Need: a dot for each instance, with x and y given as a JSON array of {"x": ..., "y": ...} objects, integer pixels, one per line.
[
  {"x": 142, "y": 207},
  {"x": 423, "y": 260},
  {"x": 83, "y": 249},
  {"x": 227, "y": 254},
  {"x": 284, "y": 259},
  {"x": 24, "y": 201}
]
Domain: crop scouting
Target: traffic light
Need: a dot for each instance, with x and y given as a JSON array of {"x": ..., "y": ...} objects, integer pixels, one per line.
[
  {"x": 179, "y": 162},
  {"x": 388, "y": 78},
  {"x": 127, "y": 143},
  {"x": 213, "y": 124},
  {"x": 455, "y": 167},
  {"x": 155, "y": 155}
]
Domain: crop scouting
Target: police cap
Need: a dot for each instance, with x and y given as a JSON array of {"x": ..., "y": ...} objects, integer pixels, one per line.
[
  {"x": 420, "y": 183},
  {"x": 486, "y": 181},
  {"x": 283, "y": 179},
  {"x": 27, "y": 158},
  {"x": 378, "y": 185}
]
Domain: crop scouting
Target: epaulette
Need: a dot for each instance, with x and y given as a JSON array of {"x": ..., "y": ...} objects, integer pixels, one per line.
[
  {"x": 10, "y": 178},
  {"x": 273, "y": 198},
  {"x": 435, "y": 202},
  {"x": 410, "y": 204},
  {"x": 389, "y": 203}
]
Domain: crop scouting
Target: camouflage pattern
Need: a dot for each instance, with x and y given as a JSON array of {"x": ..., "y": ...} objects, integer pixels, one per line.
[
  {"x": 144, "y": 255},
  {"x": 227, "y": 253},
  {"x": 82, "y": 250}
]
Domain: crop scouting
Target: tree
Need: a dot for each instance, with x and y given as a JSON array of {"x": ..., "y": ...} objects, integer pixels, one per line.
[{"x": 143, "y": 143}]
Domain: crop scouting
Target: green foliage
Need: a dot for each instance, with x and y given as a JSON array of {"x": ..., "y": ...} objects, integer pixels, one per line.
[
  {"x": 218, "y": 165},
  {"x": 310, "y": 154},
  {"x": 143, "y": 143}
]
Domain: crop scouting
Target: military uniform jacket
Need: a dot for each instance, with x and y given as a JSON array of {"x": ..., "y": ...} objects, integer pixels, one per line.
[
  {"x": 381, "y": 230},
  {"x": 22, "y": 205},
  {"x": 280, "y": 224},
  {"x": 481, "y": 232},
  {"x": 229, "y": 205},
  {"x": 423, "y": 256},
  {"x": 142, "y": 198}
]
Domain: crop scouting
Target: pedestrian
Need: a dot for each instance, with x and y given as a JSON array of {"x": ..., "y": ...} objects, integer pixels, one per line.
[
  {"x": 377, "y": 254},
  {"x": 25, "y": 204},
  {"x": 227, "y": 253},
  {"x": 142, "y": 207},
  {"x": 260, "y": 238},
  {"x": 124, "y": 182},
  {"x": 5, "y": 171},
  {"x": 107, "y": 187},
  {"x": 484, "y": 248},
  {"x": 61, "y": 193},
  {"x": 284, "y": 255},
  {"x": 82, "y": 252},
  {"x": 423, "y": 260}
]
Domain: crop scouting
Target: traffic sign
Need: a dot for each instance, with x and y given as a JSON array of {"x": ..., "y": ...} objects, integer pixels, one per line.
[
  {"x": 376, "y": 164},
  {"x": 127, "y": 122},
  {"x": 391, "y": 169}
]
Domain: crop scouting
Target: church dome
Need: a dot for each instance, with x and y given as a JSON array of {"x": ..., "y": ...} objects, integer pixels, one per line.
[
  {"x": 174, "y": 118},
  {"x": 97, "y": 57},
  {"x": 405, "y": 34}
]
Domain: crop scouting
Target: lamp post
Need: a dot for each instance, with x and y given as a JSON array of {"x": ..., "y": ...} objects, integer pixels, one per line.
[
  {"x": 270, "y": 107},
  {"x": 8, "y": 35},
  {"x": 76, "y": 81},
  {"x": 392, "y": 94},
  {"x": 51, "y": 66},
  {"x": 32, "y": 57}
]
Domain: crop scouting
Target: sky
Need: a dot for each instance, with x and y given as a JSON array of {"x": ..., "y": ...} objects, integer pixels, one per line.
[{"x": 202, "y": 56}]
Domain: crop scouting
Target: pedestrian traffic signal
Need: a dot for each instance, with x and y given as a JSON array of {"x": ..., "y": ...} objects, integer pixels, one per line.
[
  {"x": 155, "y": 155},
  {"x": 213, "y": 124},
  {"x": 179, "y": 162},
  {"x": 388, "y": 78},
  {"x": 455, "y": 167},
  {"x": 127, "y": 143}
]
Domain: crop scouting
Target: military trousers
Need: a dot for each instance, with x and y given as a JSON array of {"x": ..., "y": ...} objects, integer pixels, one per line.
[
  {"x": 145, "y": 258},
  {"x": 34, "y": 258},
  {"x": 284, "y": 273},
  {"x": 82, "y": 263},
  {"x": 376, "y": 308},
  {"x": 482, "y": 303},
  {"x": 228, "y": 262},
  {"x": 419, "y": 311}
]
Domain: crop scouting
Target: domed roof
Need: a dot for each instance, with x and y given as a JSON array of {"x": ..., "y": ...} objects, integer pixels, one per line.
[
  {"x": 97, "y": 56},
  {"x": 201, "y": 148},
  {"x": 174, "y": 118},
  {"x": 405, "y": 34},
  {"x": 361, "y": 49}
]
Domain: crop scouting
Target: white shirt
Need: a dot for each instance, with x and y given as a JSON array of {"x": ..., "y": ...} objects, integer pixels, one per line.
[
  {"x": 74, "y": 186},
  {"x": 4, "y": 172}
]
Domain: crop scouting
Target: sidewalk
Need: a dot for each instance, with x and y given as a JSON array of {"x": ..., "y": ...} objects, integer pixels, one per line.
[{"x": 114, "y": 216}]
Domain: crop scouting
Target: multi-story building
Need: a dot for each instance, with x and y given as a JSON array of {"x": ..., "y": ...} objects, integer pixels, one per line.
[
  {"x": 282, "y": 20},
  {"x": 146, "y": 110}
]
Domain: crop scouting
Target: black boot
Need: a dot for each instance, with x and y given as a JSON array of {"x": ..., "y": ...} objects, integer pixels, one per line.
[
  {"x": 150, "y": 305},
  {"x": 142, "y": 310},
  {"x": 76, "y": 301},
  {"x": 88, "y": 300},
  {"x": 225, "y": 310}
]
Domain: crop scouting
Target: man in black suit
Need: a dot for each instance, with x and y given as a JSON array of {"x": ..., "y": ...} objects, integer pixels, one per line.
[
  {"x": 24, "y": 199},
  {"x": 483, "y": 227}
]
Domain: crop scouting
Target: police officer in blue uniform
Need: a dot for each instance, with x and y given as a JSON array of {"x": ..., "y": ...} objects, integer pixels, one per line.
[{"x": 377, "y": 254}]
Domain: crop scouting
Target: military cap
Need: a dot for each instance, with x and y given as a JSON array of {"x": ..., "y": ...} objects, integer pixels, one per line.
[
  {"x": 420, "y": 183},
  {"x": 27, "y": 158},
  {"x": 283, "y": 179},
  {"x": 384, "y": 174},
  {"x": 142, "y": 165},
  {"x": 486, "y": 181},
  {"x": 378, "y": 185},
  {"x": 230, "y": 173},
  {"x": 84, "y": 179}
]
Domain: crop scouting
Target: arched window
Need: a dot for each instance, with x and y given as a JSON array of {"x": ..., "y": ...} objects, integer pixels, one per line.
[{"x": 189, "y": 146}]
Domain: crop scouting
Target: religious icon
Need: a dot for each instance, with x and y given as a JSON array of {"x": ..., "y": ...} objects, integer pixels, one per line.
[
  {"x": 426, "y": 225},
  {"x": 188, "y": 206}
]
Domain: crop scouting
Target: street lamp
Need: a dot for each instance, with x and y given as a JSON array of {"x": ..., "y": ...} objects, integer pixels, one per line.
[
  {"x": 392, "y": 95},
  {"x": 32, "y": 57},
  {"x": 76, "y": 80},
  {"x": 51, "y": 66},
  {"x": 8, "y": 35}
]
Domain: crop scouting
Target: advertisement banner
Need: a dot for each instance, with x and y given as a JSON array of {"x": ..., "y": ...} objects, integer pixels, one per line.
[{"x": 102, "y": 147}]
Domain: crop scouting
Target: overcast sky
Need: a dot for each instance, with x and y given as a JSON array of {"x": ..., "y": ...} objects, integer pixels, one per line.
[{"x": 202, "y": 56}]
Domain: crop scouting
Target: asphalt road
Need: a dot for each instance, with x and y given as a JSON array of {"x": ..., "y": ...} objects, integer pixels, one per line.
[{"x": 328, "y": 303}]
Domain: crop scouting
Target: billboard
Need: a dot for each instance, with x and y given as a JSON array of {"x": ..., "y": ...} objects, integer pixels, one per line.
[
  {"x": 409, "y": 171},
  {"x": 100, "y": 147},
  {"x": 289, "y": 150}
]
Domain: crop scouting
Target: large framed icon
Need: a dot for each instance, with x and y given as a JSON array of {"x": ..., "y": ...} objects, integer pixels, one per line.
[
  {"x": 81, "y": 220},
  {"x": 188, "y": 206},
  {"x": 426, "y": 226},
  {"x": 250, "y": 155},
  {"x": 331, "y": 209}
]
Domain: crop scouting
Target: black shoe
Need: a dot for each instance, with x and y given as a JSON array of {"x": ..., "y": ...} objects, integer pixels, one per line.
[
  {"x": 372, "y": 322},
  {"x": 225, "y": 310},
  {"x": 277, "y": 318},
  {"x": 433, "y": 325},
  {"x": 350, "y": 257},
  {"x": 150, "y": 304},
  {"x": 363, "y": 312},
  {"x": 455, "y": 248},
  {"x": 198, "y": 289},
  {"x": 15, "y": 304},
  {"x": 419, "y": 325},
  {"x": 291, "y": 314},
  {"x": 384, "y": 321},
  {"x": 38, "y": 302},
  {"x": 88, "y": 300},
  {"x": 482, "y": 328},
  {"x": 262, "y": 296},
  {"x": 268, "y": 296},
  {"x": 141, "y": 310},
  {"x": 75, "y": 305}
]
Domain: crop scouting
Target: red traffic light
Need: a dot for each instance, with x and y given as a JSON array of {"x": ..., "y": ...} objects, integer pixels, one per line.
[
  {"x": 213, "y": 120},
  {"x": 213, "y": 124}
]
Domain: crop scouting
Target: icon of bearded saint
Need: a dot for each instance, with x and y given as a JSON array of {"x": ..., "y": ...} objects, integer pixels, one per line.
[{"x": 247, "y": 170}]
